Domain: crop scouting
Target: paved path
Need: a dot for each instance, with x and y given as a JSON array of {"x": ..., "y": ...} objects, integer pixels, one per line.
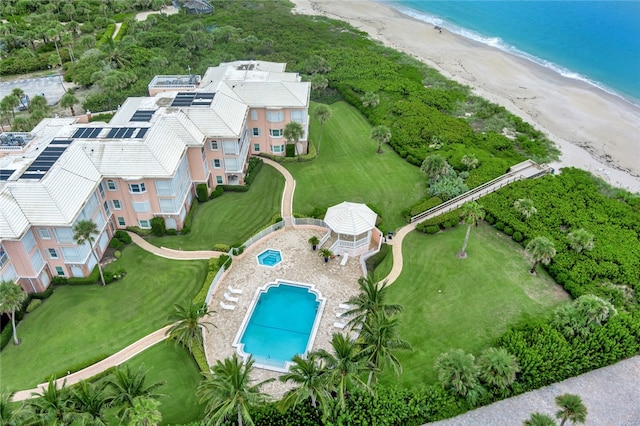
[
  {"x": 112, "y": 361},
  {"x": 171, "y": 253},
  {"x": 611, "y": 395},
  {"x": 286, "y": 206}
]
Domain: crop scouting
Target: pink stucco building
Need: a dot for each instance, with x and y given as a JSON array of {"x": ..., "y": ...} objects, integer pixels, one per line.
[{"x": 144, "y": 163}]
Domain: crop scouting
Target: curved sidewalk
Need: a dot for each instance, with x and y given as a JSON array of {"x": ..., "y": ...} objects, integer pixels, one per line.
[
  {"x": 286, "y": 205},
  {"x": 171, "y": 253}
]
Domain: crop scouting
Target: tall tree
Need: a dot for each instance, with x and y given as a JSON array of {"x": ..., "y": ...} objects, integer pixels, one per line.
[
  {"x": 370, "y": 99},
  {"x": 541, "y": 250},
  {"x": 83, "y": 233},
  {"x": 525, "y": 207},
  {"x": 472, "y": 213},
  {"x": 38, "y": 108},
  {"x": 540, "y": 419},
  {"x": 435, "y": 167},
  {"x": 126, "y": 386},
  {"x": 381, "y": 135},
  {"x": 378, "y": 342},
  {"x": 571, "y": 408},
  {"x": 370, "y": 301},
  {"x": 322, "y": 113},
  {"x": 188, "y": 324},
  {"x": 457, "y": 370},
  {"x": 308, "y": 374},
  {"x": 227, "y": 391},
  {"x": 580, "y": 240},
  {"x": 10, "y": 103},
  {"x": 19, "y": 93},
  {"x": 68, "y": 100},
  {"x": 319, "y": 82},
  {"x": 498, "y": 368},
  {"x": 293, "y": 132},
  {"x": 12, "y": 296},
  {"x": 343, "y": 366}
]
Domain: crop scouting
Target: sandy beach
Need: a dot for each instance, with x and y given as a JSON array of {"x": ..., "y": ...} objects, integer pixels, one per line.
[{"x": 594, "y": 130}]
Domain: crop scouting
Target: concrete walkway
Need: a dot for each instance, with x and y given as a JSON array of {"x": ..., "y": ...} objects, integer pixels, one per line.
[
  {"x": 286, "y": 205},
  {"x": 112, "y": 361},
  {"x": 171, "y": 253}
]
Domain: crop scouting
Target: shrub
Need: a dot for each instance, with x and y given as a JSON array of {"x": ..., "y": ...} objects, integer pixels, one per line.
[
  {"x": 45, "y": 294},
  {"x": 490, "y": 219},
  {"x": 116, "y": 244},
  {"x": 33, "y": 305},
  {"x": 93, "y": 278},
  {"x": 6, "y": 335},
  {"x": 290, "y": 150},
  {"x": 197, "y": 351},
  {"x": 139, "y": 231},
  {"x": 517, "y": 237},
  {"x": 186, "y": 228},
  {"x": 430, "y": 229},
  {"x": 216, "y": 192},
  {"x": 59, "y": 280},
  {"x": 117, "y": 254},
  {"x": 508, "y": 230},
  {"x": 373, "y": 262},
  {"x": 221, "y": 247},
  {"x": 238, "y": 249},
  {"x": 202, "y": 192},
  {"x": 234, "y": 188},
  {"x": 106, "y": 117},
  {"x": 499, "y": 225},
  {"x": 158, "y": 227},
  {"x": 254, "y": 166},
  {"x": 123, "y": 236},
  {"x": 172, "y": 231}
]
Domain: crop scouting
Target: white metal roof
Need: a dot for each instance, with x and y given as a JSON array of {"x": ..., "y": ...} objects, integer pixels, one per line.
[
  {"x": 274, "y": 94},
  {"x": 350, "y": 218},
  {"x": 225, "y": 117}
]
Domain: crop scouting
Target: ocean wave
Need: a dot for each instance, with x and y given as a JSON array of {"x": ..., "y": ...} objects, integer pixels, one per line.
[{"x": 498, "y": 43}]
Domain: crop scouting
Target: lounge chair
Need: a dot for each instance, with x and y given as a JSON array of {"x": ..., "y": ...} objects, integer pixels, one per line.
[
  {"x": 230, "y": 298},
  {"x": 345, "y": 257},
  {"x": 234, "y": 290},
  {"x": 345, "y": 306},
  {"x": 339, "y": 325},
  {"x": 227, "y": 307}
]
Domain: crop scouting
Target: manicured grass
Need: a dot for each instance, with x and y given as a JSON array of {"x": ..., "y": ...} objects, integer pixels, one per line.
[
  {"x": 232, "y": 218},
  {"x": 452, "y": 303},
  {"x": 79, "y": 323},
  {"x": 348, "y": 169},
  {"x": 173, "y": 365}
]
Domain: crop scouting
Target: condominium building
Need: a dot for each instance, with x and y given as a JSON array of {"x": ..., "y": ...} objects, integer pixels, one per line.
[{"x": 143, "y": 164}]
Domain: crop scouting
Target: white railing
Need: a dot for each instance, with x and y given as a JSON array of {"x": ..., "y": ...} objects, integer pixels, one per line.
[
  {"x": 324, "y": 238},
  {"x": 262, "y": 233},
  {"x": 214, "y": 283},
  {"x": 309, "y": 221}
]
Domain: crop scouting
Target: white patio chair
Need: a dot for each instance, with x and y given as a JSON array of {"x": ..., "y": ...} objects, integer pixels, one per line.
[
  {"x": 230, "y": 298},
  {"x": 227, "y": 307},
  {"x": 234, "y": 290}
]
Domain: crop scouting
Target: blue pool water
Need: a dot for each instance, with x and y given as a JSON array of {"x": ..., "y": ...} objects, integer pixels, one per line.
[
  {"x": 597, "y": 41},
  {"x": 270, "y": 257},
  {"x": 280, "y": 324}
]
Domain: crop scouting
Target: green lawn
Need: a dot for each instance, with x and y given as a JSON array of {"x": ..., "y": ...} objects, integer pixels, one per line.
[
  {"x": 452, "y": 303},
  {"x": 232, "y": 218},
  {"x": 78, "y": 323},
  {"x": 348, "y": 169},
  {"x": 174, "y": 366}
]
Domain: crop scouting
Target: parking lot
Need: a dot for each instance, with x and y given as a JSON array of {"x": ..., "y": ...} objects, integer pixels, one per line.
[{"x": 51, "y": 87}]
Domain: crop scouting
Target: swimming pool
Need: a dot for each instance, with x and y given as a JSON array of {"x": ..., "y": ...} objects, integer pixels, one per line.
[
  {"x": 282, "y": 322},
  {"x": 270, "y": 257}
]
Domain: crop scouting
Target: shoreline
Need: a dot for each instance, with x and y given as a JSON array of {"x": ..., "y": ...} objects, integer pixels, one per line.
[{"x": 595, "y": 130}]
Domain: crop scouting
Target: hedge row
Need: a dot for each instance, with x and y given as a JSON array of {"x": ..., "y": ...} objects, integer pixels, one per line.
[
  {"x": 186, "y": 228},
  {"x": 106, "y": 35},
  {"x": 444, "y": 221},
  {"x": 373, "y": 262},
  {"x": 74, "y": 368}
]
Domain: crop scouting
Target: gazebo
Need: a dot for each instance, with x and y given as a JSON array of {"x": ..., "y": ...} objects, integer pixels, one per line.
[{"x": 353, "y": 223}]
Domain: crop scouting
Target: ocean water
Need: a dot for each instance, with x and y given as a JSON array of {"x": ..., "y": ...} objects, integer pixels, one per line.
[{"x": 595, "y": 41}]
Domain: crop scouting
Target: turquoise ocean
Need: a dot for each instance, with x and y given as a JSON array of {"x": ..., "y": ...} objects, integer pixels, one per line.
[{"x": 595, "y": 41}]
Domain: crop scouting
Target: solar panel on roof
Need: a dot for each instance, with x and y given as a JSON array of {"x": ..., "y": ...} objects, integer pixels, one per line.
[
  {"x": 32, "y": 176},
  {"x": 95, "y": 132},
  {"x": 78, "y": 133},
  {"x": 121, "y": 132},
  {"x": 112, "y": 132},
  {"x": 61, "y": 142},
  {"x": 129, "y": 132},
  {"x": 6, "y": 173},
  {"x": 142, "y": 132},
  {"x": 142, "y": 115},
  {"x": 203, "y": 95}
]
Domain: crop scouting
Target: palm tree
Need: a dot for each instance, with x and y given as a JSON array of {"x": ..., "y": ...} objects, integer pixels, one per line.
[
  {"x": 83, "y": 232},
  {"x": 322, "y": 113},
  {"x": 319, "y": 82},
  {"x": 370, "y": 301},
  {"x": 498, "y": 368},
  {"x": 458, "y": 371},
  {"x": 435, "y": 166},
  {"x": 370, "y": 99},
  {"x": 541, "y": 250},
  {"x": 10, "y": 103},
  {"x": 472, "y": 213},
  {"x": 293, "y": 131},
  {"x": 126, "y": 385},
  {"x": 342, "y": 365},
  {"x": 571, "y": 408},
  {"x": 144, "y": 412},
  {"x": 525, "y": 207},
  {"x": 227, "y": 391},
  {"x": 581, "y": 239},
  {"x": 380, "y": 134},
  {"x": 12, "y": 296},
  {"x": 68, "y": 100},
  {"x": 308, "y": 374},
  {"x": 19, "y": 93},
  {"x": 10, "y": 415},
  {"x": 188, "y": 324},
  {"x": 378, "y": 340},
  {"x": 114, "y": 54},
  {"x": 90, "y": 401},
  {"x": 540, "y": 419},
  {"x": 38, "y": 108},
  {"x": 51, "y": 406}
]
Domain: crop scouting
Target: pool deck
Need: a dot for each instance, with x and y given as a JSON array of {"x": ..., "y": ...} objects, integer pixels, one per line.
[{"x": 299, "y": 264}]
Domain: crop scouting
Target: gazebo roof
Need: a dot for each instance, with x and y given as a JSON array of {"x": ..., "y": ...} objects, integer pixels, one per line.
[{"x": 350, "y": 218}]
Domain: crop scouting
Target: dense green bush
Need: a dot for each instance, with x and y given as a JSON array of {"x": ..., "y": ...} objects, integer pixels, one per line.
[
  {"x": 290, "y": 150},
  {"x": 6, "y": 335},
  {"x": 234, "y": 188},
  {"x": 116, "y": 244},
  {"x": 221, "y": 247},
  {"x": 373, "y": 262},
  {"x": 45, "y": 294},
  {"x": 106, "y": 117},
  {"x": 139, "y": 231},
  {"x": 158, "y": 227},
  {"x": 444, "y": 221},
  {"x": 74, "y": 368},
  {"x": 122, "y": 236},
  {"x": 254, "y": 165},
  {"x": 35, "y": 303},
  {"x": 217, "y": 192},
  {"x": 186, "y": 228},
  {"x": 202, "y": 192},
  {"x": 91, "y": 279}
]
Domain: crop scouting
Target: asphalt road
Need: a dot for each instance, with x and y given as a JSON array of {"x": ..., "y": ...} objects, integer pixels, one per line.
[{"x": 51, "y": 87}]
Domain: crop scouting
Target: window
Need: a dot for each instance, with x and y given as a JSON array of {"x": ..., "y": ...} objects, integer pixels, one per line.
[
  {"x": 216, "y": 163},
  {"x": 142, "y": 206},
  {"x": 59, "y": 270},
  {"x": 256, "y": 147},
  {"x": 121, "y": 221},
  {"x": 116, "y": 205},
  {"x": 3, "y": 257},
  {"x": 275, "y": 133},
  {"x": 299, "y": 116},
  {"x": 64, "y": 235},
  {"x": 204, "y": 154},
  {"x": 144, "y": 223},
  {"x": 256, "y": 131},
  {"x": 277, "y": 148},
  {"x": 101, "y": 189},
  {"x": 254, "y": 114},
  {"x": 137, "y": 188},
  {"x": 275, "y": 116},
  {"x": 28, "y": 242},
  {"x": 111, "y": 185},
  {"x": 164, "y": 187},
  {"x": 53, "y": 254},
  {"x": 44, "y": 233},
  {"x": 219, "y": 180},
  {"x": 167, "y": 205},
  {"x": 214, "y": 145},
  {"x": 106, "y": 208}
]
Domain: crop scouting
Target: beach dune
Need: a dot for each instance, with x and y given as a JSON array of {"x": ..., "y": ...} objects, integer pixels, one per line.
[{"x": 595, "y": 130}]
